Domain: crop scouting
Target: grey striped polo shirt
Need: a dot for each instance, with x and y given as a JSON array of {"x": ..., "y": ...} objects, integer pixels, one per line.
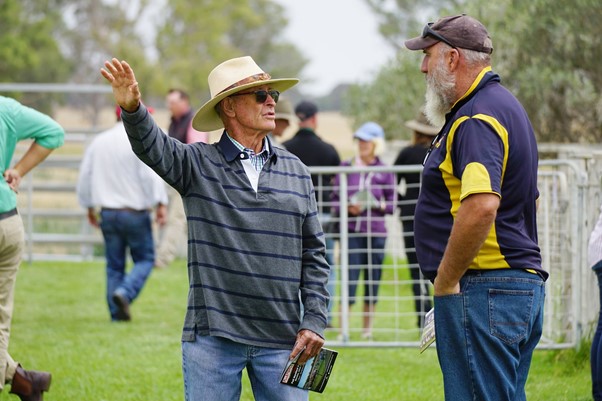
[{"x": 252, "y": 256}]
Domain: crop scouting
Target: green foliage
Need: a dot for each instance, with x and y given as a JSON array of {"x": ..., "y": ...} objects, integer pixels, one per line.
[
  {"x": 99, "y": 31},
  {"x": 546, "y": 51},
  {"x": 69, "y": 40},
  {"x": 28, "y": 50},
  {"x": 193, "y": 40},
  {"x": 394, "y": 97}
]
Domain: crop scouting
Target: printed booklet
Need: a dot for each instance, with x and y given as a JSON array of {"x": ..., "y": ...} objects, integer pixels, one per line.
[
  {"x": 314, "y": 374},
  {"x": 365, "y": 200},
  {"x": 428, "y": 333}
]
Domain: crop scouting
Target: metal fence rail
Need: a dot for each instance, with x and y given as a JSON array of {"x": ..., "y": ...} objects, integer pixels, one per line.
[{"x": 569, "y": 203}]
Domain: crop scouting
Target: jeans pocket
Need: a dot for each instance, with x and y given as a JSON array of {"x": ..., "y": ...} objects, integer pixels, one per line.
[{"x": 510, "y": 313}]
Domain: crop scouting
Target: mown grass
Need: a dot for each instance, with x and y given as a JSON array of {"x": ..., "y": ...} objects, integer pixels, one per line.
[{"x": 61, "y": 324}]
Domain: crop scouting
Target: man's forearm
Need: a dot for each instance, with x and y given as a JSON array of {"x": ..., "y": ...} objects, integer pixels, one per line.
[
  {"x": 34, "y": 156},
  {"x": 471, "y": 226}
]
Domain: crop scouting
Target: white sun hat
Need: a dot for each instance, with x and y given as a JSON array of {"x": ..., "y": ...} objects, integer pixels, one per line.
[{"x": 228, "y": 78}]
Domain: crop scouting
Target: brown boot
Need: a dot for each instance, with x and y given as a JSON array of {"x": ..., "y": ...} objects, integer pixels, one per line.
[{"x": 29, "y": 384}]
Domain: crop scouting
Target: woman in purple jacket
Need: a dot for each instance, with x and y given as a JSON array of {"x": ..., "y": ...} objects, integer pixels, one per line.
[{"x": 371, "y": 195}]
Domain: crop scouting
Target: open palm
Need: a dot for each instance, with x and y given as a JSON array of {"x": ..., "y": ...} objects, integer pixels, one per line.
[{"x": 125, "y": 87}]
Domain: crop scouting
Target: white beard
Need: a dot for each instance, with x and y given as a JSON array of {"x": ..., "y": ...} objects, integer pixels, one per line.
[{"x": 439, "y": 98}]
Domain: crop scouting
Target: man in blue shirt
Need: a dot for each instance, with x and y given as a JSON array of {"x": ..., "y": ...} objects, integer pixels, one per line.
[{"x": 475, "y": 231}]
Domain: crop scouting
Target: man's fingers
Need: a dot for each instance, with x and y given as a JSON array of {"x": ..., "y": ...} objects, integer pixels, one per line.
[
  {"x": 108, "y": 76},
  {"x": 110, "y": 66},
  {"x": 310, "y": 342},
  {"x": 118, "y": 69},
  {"x": 115, "y": 65},
  {"x": 126, "y": 68}
]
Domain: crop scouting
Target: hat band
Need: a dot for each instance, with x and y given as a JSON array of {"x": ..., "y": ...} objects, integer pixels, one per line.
[{"x": 264, "y": 76}]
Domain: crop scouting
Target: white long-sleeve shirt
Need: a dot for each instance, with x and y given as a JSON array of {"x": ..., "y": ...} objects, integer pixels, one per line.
[
  {"x": 594, "y": 248},
  {"x": 112, "y": 176}
]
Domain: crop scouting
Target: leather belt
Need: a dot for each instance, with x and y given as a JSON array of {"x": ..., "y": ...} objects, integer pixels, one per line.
[
  {"x": 124, "y": 209},
  {"x": 10, "y": 213}
]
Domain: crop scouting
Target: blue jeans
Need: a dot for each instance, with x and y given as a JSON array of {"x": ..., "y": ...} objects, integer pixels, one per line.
[
  {"x": 596, "y": 350},
  {"x": 123, "y": 229},
  {"x": 213, "y": 366},
  {"x": 486, "y": 334},
  {"x": 365, "y": 254}
]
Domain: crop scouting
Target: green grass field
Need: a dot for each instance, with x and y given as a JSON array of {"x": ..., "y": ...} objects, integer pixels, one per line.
[{"x": 61, "y": 324}]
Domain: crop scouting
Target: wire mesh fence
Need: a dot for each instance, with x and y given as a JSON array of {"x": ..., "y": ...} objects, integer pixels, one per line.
[{"x": 569, "y": 204}]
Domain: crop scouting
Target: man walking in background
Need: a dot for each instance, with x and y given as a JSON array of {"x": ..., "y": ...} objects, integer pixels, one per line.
[
  {"x": 125, "y": 190},
  {"x": 476, "y": 229},
  {"x": 313, "y": 151},
  {"x": 17, "y": 123}
]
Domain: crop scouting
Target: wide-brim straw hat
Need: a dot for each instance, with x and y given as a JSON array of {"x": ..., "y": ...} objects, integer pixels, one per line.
[
  {"x": 284, "y": 111},
  {"x": 228, "y": 78},
  {"x": 422, "y": 125}
]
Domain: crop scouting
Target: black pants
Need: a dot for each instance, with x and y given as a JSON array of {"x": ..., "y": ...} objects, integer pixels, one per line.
[{"x": 422, "y": 298}]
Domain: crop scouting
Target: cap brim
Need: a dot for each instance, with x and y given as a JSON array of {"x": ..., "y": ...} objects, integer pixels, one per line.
[
  {"x": 364, "y": 137},
  {"x": 420, "y": 43},
  {"x": 207, "y": 119},
  {"x": 286, "y": 116},
  {"x": 422, "y": 128}
]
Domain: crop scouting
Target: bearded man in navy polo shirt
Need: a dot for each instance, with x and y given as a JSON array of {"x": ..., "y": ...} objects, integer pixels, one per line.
[{"x": 476, "y": 231}]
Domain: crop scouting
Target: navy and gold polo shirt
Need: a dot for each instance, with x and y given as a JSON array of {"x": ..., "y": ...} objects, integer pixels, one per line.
[{"x": 486, "y": 146}]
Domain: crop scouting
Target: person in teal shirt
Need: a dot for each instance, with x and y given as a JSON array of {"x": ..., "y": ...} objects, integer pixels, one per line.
[{"x": 17, "y": 123}]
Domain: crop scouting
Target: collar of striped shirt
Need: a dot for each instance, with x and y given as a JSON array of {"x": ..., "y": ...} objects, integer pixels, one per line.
[{"x": 258, "y": 160}]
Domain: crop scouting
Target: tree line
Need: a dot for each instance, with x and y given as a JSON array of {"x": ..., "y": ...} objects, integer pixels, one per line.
[
  {"x": 546, "y": 51},
  {"x": 170, "y": 43}
]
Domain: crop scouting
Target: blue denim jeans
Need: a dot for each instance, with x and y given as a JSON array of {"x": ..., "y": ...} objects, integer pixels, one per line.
[
  {"x": 366, "y": 254},
  {"x": 213, "y": 366},
  {"x": 486, "y": 334},
  {"x": 123, "y": 230},
  {"x": 596, "y": 350}
]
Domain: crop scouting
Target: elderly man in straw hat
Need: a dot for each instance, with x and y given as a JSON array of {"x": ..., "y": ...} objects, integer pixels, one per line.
[
  {"x": 476, "y": 228},
  {"x": 255, "y": 247}
]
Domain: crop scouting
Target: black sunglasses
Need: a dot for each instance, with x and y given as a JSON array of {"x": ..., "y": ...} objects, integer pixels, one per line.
[
  {"x": 262, "y": 95},
  {"x": 427, "y": 31}
]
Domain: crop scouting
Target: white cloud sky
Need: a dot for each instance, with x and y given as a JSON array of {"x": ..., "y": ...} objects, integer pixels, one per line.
[{"x": 341, "y": 40}]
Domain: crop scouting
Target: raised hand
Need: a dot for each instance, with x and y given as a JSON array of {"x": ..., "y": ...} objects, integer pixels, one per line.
[{"x": 125, "y": 87}]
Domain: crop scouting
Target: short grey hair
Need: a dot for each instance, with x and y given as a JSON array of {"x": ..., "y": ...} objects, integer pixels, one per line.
[
  {"x": 478, "y": 58},
  {"x": 473, "y": 57}
]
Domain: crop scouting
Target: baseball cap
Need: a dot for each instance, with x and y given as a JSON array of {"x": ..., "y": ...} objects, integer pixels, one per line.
[
  {"x": 369, "y": 131},
  {"x": 305, "y": 110},
  {"x": 457, "y": 31}
]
